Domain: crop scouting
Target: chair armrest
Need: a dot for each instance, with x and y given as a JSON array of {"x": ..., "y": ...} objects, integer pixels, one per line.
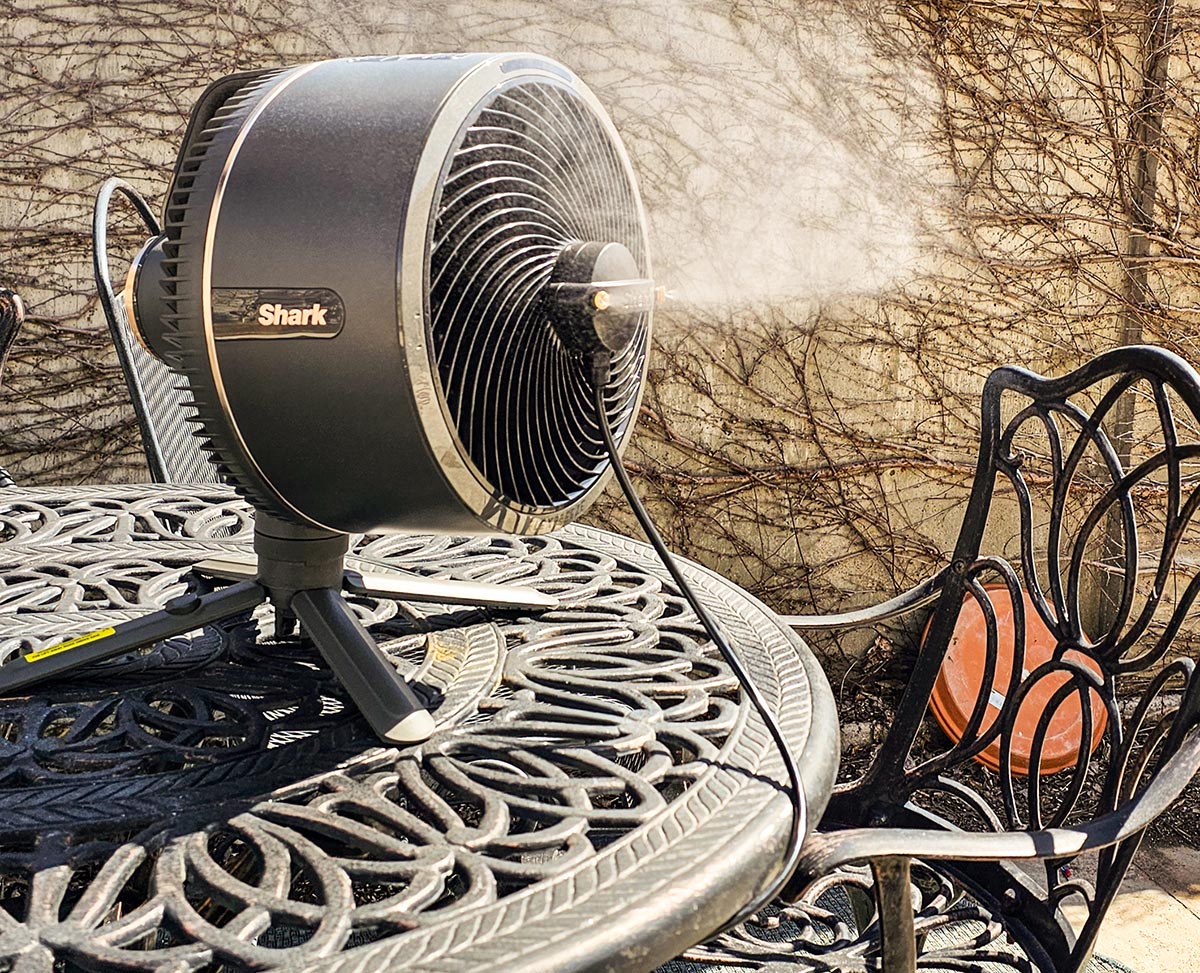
[
  {"x": 916, "y": 597},
  {"x": 12, "y": 315},
  {"x": 825, "y": 851}
]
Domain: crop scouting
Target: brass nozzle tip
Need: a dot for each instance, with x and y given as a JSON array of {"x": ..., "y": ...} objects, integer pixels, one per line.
[{"x": 602, "y": 300}]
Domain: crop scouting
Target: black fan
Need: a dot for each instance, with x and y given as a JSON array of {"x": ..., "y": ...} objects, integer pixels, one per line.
[
  {"x": 388, "y": 282},
  {"x": 374, "y": 265}
]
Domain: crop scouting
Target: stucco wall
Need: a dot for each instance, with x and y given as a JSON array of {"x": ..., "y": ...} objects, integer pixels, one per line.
[{"x": 860, "y": 207}]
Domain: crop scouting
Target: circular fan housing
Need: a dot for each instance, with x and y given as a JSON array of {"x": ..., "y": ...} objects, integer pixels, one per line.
[{"x": 363, "y": 277}]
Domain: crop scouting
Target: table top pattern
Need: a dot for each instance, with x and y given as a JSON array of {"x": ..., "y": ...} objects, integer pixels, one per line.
[{"x": 596, "y": 782}]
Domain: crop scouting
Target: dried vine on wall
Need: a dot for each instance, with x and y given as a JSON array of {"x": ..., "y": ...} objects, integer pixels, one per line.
[{"x": 863, "y": 207}]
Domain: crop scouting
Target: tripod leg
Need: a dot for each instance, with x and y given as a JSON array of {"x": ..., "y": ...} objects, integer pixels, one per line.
[
  {"x": 403, "y": 586},
  {"x": 385, "y": 699},
  {"x": 412, "y": 587},
  {"x": 184, "y": 614},
  {"x": 285, "y": 623},
  {"x": 230, "y": 567}
]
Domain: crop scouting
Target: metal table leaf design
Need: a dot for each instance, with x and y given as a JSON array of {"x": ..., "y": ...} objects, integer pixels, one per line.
[{"x": 597, "y": 791}]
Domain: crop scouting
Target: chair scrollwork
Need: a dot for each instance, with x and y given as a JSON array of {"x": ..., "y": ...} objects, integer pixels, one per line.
[{"x": 1090, "y": 483}]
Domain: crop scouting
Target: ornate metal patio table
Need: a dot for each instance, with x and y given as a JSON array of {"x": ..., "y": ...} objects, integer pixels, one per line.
[{"x": 598, "y": 794}]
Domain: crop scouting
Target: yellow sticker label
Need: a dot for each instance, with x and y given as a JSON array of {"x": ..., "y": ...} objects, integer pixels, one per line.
[{"x": 68, "y": 646}]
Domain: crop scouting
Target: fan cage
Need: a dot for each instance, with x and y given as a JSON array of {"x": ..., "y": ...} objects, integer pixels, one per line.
[{"x": 533, "y": 170}]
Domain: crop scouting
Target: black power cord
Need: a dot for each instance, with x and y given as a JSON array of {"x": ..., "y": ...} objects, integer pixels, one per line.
[{"x": 600, "y": 365}]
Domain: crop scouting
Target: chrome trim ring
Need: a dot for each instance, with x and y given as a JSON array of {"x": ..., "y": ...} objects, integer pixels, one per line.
[
  {"x": 458, "y": 108},
  {"x": 129, "y": 296}
]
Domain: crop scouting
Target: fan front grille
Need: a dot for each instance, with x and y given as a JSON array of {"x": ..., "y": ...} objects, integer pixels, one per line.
[{"x": 535, "y": 171}]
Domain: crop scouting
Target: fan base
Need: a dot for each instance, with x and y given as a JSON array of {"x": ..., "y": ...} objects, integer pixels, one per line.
[{"x": 302, "y": 572}]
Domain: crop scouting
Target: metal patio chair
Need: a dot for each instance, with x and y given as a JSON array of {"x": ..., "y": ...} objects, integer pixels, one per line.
[
  {"x": 12, "y": 316},
  {"x": 1096, "y": 478},
  {"x": 159, "y": 396}
]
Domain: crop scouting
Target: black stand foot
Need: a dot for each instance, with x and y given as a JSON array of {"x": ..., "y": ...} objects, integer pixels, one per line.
[
  {"x": 285, "y": 623},
  {"x": 184, "y": 614},
  {"x": 404, "y": 587},
  {"x": 385, "y": 699}
]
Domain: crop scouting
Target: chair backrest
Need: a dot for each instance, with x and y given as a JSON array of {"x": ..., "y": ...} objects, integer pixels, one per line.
[
  {"x": 1092, "y": 483},
  {"x": 160, "y": 397},
  {"x": 12, "y": 316}
]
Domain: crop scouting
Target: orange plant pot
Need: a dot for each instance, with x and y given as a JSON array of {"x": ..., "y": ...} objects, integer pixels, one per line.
[{"x": 960, "y": 680}]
